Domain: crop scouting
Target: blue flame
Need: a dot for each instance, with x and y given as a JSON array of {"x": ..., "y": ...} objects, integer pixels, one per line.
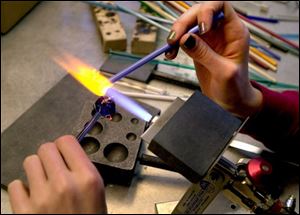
[{"x": 129, "y": 104}]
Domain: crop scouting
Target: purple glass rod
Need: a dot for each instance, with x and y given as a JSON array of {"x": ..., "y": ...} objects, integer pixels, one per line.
[{"x": 155, "y": 53}]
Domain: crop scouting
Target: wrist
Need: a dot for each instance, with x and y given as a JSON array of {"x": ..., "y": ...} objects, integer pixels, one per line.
[
  {"x": 256, "y": 103},
  {"x": 250, "y": 105}
]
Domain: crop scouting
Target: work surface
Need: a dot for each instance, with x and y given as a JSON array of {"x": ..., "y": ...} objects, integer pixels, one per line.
[{"x": 28, "y": 73}]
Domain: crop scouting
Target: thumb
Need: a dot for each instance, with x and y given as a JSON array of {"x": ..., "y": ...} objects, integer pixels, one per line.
[{"x": 200, "y": 51}]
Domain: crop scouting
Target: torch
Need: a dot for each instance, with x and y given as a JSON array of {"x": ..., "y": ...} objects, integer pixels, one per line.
[{"x": 101, "y": 86}]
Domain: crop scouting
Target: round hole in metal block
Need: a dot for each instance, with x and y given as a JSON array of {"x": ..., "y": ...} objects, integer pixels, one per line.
[
  {"x": 110, "y": 14},
  {"x": 233, "y": 207},
  {"x": 152, "y": 28},
  {"x": 97, "y": 10},
  {"x": 134, "y": 121},
  {"x": 116, "y": 117},
  {"x": 90, "y": 145},
  {"x": 97, "y": 128},
  {"x": 108, "y": 33},
  {"x": 115, "y": 152},
  {"x": 131, "y": 136}
]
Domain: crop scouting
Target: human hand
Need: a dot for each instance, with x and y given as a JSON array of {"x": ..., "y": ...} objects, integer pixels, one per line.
[
  {"x": 220, "y": 56},
  {"x": 61, "y": 179}
]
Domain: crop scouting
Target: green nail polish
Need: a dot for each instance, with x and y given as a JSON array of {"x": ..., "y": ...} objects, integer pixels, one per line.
[{"x": 172, "y": 35}]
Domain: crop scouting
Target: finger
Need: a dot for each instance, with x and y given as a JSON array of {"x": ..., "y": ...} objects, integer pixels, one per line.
[
  {"x": 171, "y": 54},
  {"x": 74, "y": 155},
  {"x": 35, "y": 173},
  {"x": 183, "y": 24},
  {"x": 18, "y": 197},
  {"x": 200, "y": 51},
  {"x": 201, "y": 15},
  {"x": 205, "y": 15},
  {"x": 52, "y": 160}
]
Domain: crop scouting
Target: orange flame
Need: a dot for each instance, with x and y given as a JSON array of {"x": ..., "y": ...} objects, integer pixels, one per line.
[{"x": 86, "y": 75}]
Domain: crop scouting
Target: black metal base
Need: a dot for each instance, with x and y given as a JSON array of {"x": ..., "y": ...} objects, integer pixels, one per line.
[{"x": 191, "y": 136}]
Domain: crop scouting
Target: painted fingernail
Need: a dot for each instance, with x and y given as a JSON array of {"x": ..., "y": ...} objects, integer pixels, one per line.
[
  {"x": 171, "y": 36},
  {"x": 169, "y": 54},
  {"x": 202, "y": 28},
  {"x": 190, "y": 42}
]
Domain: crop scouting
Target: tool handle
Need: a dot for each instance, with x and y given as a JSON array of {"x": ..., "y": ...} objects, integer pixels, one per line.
[{"x": 156, "y": 53}]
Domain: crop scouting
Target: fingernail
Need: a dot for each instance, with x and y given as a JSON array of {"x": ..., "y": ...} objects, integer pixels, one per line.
[
  {"x": 202, "y": 28},
  {"x": 172, "y": 53},
  {"x": 172, "y": 35},
  {"x": 169, "y": 54},
  {"x": 190, "y": 42}
]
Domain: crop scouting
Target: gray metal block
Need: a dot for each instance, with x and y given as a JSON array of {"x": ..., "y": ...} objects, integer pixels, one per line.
[
  {"x": 113, "y": 145},
  {"x": 193, "y": 139}
]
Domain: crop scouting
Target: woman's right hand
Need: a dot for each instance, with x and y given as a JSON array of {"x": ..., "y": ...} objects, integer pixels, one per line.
[
  {"x": 61, "y": 179},
  {"x": 220, "y": 55}
]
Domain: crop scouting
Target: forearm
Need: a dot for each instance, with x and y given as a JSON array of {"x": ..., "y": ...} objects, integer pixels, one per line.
[{"x": 277, "y": 123}]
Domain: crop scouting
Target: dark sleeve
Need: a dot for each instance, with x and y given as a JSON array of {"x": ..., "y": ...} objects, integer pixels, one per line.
[{"x": 277, "y": 124}]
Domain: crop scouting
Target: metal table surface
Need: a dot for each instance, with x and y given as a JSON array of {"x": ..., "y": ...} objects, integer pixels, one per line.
[{"x": 27, "y": 73}]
